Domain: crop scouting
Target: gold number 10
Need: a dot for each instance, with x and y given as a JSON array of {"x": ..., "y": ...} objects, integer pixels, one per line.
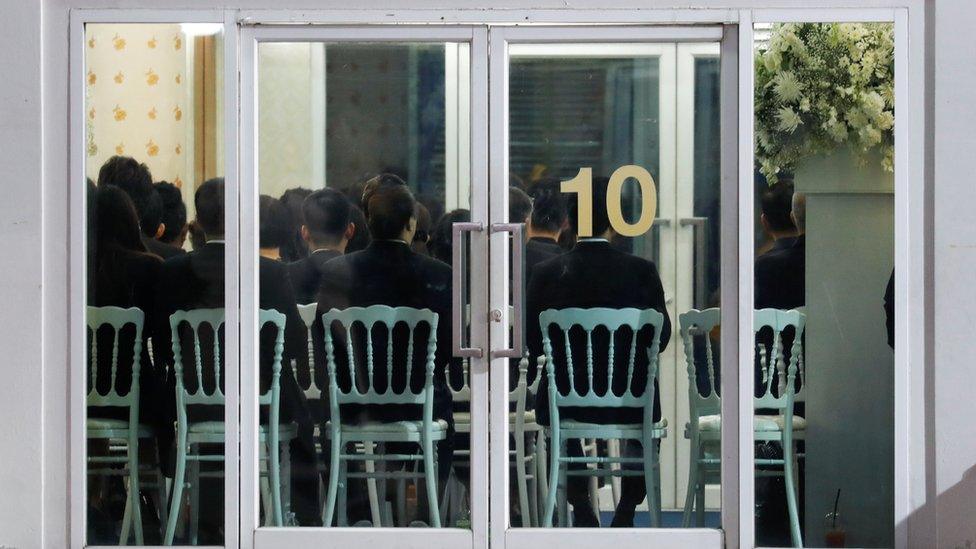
[{"x": 582, "y": 185}]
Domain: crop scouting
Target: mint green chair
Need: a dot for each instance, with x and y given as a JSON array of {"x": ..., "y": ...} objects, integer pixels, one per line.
[
  {"x": 128, "y": 430},
  {"x": 424, "y": 431},
  {"x": 705, "y": 423},
  {"x": 562, "y": 430},
  {"x": 189, "y": 435}
]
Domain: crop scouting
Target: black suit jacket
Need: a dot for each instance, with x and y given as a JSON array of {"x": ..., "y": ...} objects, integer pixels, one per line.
[
  {"x": 595, "y": 274},
  {"x": 780, "y": 275},
  {"x": 390, "y": 273},
  {"x": 537, "y": 250},
  {"x": 126, "y": 279},
  {"x": 161, "y": 249},
  {"x": 306, "y": 274},
  {"x": 196, "y": 280}
]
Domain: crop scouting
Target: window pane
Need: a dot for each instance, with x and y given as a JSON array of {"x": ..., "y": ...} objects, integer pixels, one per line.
[
  {"x": 634, "y": 127},
  {"x": 824, "y": 259},
  {"x": 155, "y": 261},
  {"x": 363, "y": 167}
]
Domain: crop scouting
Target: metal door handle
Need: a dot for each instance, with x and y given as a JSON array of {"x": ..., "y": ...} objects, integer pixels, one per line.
[
  {"x": 458, "y": 263},
  {"x": 518, "y": 293},
  {"x": 698, "y": 225}
]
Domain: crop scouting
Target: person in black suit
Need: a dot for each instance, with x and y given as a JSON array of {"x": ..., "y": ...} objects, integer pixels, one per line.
[
  {"x": 779, "y": 273},
  {"x": 273, "y": 227},
  {"x": 327, "y": 230},
  {"x": 173, "y": 215},
  {"x": 545, "y": 224},
  {"x": 121, "y": 274},
  {"x": 595, "y": 274},
  {"x": 134, "y": 178},
  {"x": 389, "y": 273},
  {"x": 196, "y": 280},
  {"x": 294, "y": 248}
]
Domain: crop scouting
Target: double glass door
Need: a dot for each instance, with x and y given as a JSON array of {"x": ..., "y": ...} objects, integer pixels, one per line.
[{"x": 491, "y": 235}]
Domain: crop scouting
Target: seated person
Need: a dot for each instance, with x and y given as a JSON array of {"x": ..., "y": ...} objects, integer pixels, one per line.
[
  {"x": 595, "y": 274},
  {"x": 327, "y": 230},
  {"x": 173, "y": 216},
  {"x": 134, "y": 178},
  {"x": 295, "y": 248},
  {"x": 779, "y": 272},
  {"x": 273, "y": 227},
  {"x": 389, "y": 272},
  {"x": 545, "y": 224},
  {"x": 196, "y": 280}
]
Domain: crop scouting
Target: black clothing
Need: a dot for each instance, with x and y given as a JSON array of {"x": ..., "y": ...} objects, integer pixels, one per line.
[
  {"x": 537, "y": 250},
  {"x": 306, "y": 274},
  {"x": 780, "y": 275},
  {"x": 889, "y": 308},
  {"x": 161, "y": 249},
  {"x": 389, "y": 273},
  {"x": 126, "y": 279},
  {"x": 595, "y": 274},
  {"x": 196, "y": 280}
]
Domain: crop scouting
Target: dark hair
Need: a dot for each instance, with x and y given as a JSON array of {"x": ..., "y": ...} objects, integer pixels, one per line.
[
  {"x": 360, "y": 238},
  {"x": 326, "y": 215},
  {"x": 135, "y": 179},
  {"x": 519, "y": 205},
  {"x": 196, "y": 235},
  {"x": 117, "y": 225},
  {"x": 422, "y": 215},
  {"x": 272, "y": 222},
  {"x": 174, "y": 211},
  {"x": 548, "y": 204},
  {"x": 373, "y": 184},
  {"x": 601, "y": 219},
  {"x": 441, "y": 237},
  {"x": 777, "y": 203},
  {"x": 295, "y": 248},
  {"x": 209, "y": 202},
  {"x": 389, "y": 212}
]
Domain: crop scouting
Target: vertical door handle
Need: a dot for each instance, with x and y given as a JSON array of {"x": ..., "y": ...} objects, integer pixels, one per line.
[
  {"x": 700, "y": 257},
  {"x": 518, "y": 289},
  {"x": 458, "y": 266}
]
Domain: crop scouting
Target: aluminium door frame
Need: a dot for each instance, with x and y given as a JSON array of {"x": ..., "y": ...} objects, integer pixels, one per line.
[
  {"x": 502, "y": 536},
  {"x": 254, "y": 535}
]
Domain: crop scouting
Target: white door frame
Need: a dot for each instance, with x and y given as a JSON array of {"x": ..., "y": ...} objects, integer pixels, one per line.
[
  {"x": 559, "y": 40},
  {"x": 911, "y": 235},
  {"x": 263, "y": 537}
]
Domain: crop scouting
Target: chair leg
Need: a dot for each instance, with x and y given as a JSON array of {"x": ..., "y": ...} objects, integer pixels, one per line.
[
  {"x": 286, "y": 515},
  {"x": 594, "y": 482},
  {"x": 374, "y": 502},
  {"x": 788, "y": 480},
  {"x": 531, "y": 487},
  {"x": 430, "y": 475},
  {"x": 613, "y": 450},
  {"x": 520, "y": 478},
  {"x": 126, "y": 516},
  {"x": 653, "y": 499},
  {"x": 657, "y": 481},
  {"x": 195, "y": 498},
  {"x": 179, "y": 479},
  {"x": 542, "y": 476},
  {"x": 553, "y": 478},
  {"x": 563, "y": 483},
  {"x": 693, "y": 474},
  {"x": 343, "y": 518},
  {"x": 274, "y": 475},
  {"x": 330, "y": 499},
  {"x": 700, "y": 502},
  {"x": 161, "y": 497}
]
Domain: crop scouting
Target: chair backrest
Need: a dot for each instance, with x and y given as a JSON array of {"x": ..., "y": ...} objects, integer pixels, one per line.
[
  {"x": 612, "y": 320},
  {"x": 117, "y": 318},
  {"x": 699, "y": 324},
  {"x": 373, "y": 320},
  {"x": 307, "y": 312},
  {"x": 696, "y": 325},
  {"x": 195, "y": 319},
  {"x": 771, "y": 361}
]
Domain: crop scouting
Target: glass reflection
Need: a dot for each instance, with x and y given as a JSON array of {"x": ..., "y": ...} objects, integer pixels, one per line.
[
  {"x": 823, "y": 271},
  {"x": 155, "y": 284},
  {"x": 359, "y": 187}
]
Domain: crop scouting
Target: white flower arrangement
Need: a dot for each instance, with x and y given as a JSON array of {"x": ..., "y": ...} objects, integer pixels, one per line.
[{"x": 823, "y": 86}]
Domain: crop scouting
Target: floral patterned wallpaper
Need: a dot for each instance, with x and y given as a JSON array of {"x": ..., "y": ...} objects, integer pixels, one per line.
[{"x": 137, "y": 98}]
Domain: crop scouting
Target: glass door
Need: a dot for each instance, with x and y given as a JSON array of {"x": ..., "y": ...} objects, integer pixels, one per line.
[
  {"x": 365, "y": 383},
  {"x": 605, "y": 200}
]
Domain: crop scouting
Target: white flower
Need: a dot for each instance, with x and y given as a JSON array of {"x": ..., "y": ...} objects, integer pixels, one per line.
[
  {"x": 786, "y": 87},
  {"x": 788, "y": 120}
]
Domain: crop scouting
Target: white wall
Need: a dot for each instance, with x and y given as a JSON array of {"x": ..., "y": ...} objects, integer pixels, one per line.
[{"x": 33, "y": 50}]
